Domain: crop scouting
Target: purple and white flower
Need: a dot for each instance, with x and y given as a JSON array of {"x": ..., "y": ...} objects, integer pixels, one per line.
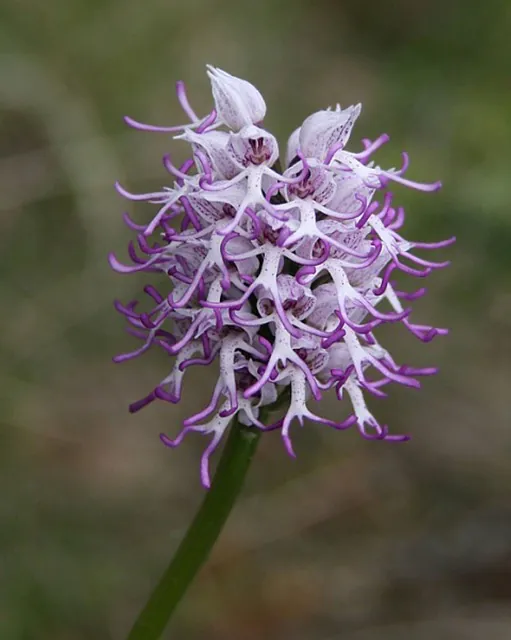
[{"x": 279, "y": 275}]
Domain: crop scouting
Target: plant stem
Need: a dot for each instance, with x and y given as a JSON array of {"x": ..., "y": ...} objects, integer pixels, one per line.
[{"x": 201, "y": 535}]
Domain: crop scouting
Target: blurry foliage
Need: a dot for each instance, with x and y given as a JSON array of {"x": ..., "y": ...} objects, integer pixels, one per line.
[{"x": 353, "y": 540}]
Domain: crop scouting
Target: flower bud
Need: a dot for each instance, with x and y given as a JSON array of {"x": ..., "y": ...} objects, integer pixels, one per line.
[
  {"x": 324, "y": 129},
  {"x": 238, "y": 103}
]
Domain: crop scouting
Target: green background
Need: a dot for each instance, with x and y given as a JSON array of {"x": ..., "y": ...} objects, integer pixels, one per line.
[{"x": 354, "y": 540}]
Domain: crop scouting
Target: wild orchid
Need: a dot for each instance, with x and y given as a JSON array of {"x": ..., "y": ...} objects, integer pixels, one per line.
[{"x": 280, "y": 275}]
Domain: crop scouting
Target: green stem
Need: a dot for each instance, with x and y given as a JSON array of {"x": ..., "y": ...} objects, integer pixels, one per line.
[{"x": 201, "y": 535}]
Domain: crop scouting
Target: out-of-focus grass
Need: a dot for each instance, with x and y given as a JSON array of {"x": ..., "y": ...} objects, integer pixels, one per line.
[{"x": 353, "y": 540}]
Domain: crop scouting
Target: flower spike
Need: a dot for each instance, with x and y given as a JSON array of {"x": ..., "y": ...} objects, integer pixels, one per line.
[{"x": 277, "y": 275}]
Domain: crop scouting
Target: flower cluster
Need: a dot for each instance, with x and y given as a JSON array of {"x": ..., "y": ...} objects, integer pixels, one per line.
[{"x": 280, "y": 275}]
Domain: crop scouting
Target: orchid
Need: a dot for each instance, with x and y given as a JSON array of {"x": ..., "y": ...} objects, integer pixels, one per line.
[{"x": 279, "y": 274}]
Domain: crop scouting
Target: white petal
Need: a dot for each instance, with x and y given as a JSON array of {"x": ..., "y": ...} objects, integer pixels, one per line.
[
  {"x": 293, "y": 144},
  {"x": 214, "y": 145}
]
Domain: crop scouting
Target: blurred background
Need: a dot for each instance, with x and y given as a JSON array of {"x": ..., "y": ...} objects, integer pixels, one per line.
[{"x": 353, "y": 540}]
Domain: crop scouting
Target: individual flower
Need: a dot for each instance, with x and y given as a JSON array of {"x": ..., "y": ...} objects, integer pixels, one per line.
[{"x": 280, "y": 276}]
